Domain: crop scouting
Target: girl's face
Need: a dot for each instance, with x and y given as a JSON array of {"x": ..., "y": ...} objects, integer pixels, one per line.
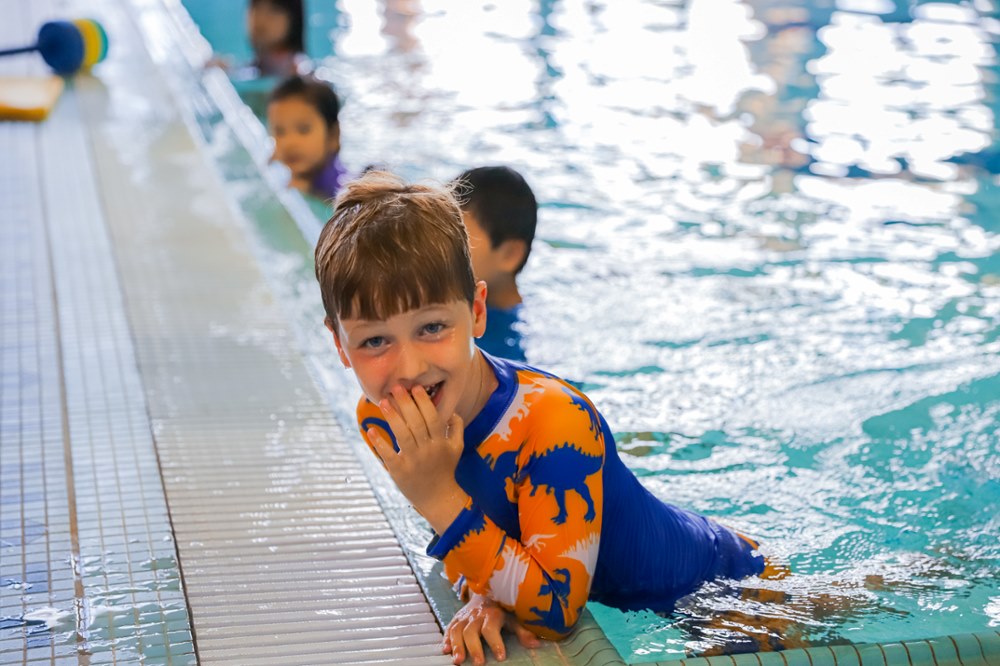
[
  {"x": 302, "y": 140},
  {"x": 268, "y": 26}
]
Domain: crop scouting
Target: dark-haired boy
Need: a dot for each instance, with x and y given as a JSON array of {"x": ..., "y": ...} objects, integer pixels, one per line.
[{"x": 500, "y": 213}]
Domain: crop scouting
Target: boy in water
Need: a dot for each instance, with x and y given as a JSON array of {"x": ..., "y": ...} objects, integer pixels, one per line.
[
  {"x": 514, "y": 469},
  {"x": 500, "y": 214}
]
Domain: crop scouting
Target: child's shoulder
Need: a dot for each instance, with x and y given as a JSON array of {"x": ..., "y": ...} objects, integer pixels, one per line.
[
  {"x": 543, "y": 397},
  {"x": 529, "y": 376}
]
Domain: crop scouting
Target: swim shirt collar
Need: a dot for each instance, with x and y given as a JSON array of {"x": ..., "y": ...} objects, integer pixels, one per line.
[{"x": 484, "y": 422}]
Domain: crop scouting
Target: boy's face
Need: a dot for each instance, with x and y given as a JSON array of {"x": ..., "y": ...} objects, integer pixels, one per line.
[
  {"x": 302, "y": 141},
  {"x": 489, "y": 263},
  {"x": 430, "y": 346}
]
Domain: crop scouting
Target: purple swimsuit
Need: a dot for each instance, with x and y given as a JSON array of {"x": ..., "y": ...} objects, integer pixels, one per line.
[{"x": 330, "y": 179}]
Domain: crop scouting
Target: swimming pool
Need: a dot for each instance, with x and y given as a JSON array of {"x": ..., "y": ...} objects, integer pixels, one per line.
[{"x": 768, "y": 247}]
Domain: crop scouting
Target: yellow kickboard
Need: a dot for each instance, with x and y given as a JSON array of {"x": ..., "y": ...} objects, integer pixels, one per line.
[{"x": 28, "y": 98}]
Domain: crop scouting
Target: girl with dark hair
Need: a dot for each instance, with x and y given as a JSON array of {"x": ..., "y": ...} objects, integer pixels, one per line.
[{"x": 302, "y": 120}]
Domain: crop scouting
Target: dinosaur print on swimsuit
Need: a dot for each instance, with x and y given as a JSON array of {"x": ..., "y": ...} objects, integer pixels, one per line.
[{"x": 530, "y": 533}]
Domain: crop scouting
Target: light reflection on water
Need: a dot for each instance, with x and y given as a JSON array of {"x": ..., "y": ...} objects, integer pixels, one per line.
[{"x": 767, "y": 248}]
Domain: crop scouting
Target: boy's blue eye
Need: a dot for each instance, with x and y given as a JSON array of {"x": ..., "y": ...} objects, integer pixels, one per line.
[
  {"x": 434, "y": 328},
  {"x": 373, "y": 342},
  {"x": 304, "y": 128}
]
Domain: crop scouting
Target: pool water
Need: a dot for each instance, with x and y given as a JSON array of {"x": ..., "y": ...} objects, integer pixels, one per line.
[{"x": 767, "y": 247}]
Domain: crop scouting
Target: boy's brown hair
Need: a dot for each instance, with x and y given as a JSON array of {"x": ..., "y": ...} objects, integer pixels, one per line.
[{"x": 390, "y": 247}]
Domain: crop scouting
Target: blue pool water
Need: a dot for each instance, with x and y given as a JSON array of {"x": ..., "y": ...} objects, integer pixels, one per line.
[{"x": 768, "y": 248}]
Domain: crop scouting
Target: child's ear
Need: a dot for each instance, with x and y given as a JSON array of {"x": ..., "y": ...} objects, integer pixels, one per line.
[
  {"x": 511, "y": 253},
  {"x": 336, "y": 340},
  {"x": 479, "y": 310}
]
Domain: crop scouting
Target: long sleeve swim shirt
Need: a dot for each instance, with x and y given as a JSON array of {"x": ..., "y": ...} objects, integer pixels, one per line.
[{"x": 556, "y": 518}]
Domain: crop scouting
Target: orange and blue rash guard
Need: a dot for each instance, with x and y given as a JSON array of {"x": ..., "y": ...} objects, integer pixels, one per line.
[{"x": 556, "y": 518}]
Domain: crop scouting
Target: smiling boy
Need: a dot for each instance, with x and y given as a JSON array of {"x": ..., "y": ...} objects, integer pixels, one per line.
[{"x": 515, "y": 469}]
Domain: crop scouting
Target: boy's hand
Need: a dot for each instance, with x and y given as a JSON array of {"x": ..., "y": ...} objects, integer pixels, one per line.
[
  {"x": 429, "y": 449},
  {"x": 482, "y": 619}
]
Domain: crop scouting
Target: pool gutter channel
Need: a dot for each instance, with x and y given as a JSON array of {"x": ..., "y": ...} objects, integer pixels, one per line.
[{"x": 265, "y": 498}]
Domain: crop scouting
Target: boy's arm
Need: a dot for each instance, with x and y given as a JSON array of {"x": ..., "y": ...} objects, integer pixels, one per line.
[{"x": 545, "y": 577}]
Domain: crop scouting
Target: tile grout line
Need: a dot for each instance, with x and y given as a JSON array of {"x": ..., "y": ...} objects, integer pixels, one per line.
[{"x": 78, "y": 588}]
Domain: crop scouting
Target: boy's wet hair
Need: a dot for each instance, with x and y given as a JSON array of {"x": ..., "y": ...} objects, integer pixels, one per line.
[
  {"x": 390, "y": 247},
  {"x": 295, "y": 39},
  {"x": 503, "y": 203},
  {"x": 313, "y": 92}
]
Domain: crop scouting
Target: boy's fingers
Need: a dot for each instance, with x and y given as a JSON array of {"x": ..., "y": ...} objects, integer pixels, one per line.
[
  {"x": 473, "y": 644},
  {"x": 449, "y": 632},
  {"x": 410, "y": 413},
  {"x": 524, "y": 635},
  {"x": 455, "y": 432},
  {"x": 427, "y": 411},
  {"x": 492, "y": 635},
  {"x": 399, "y": 427},
  {"x": 456, "y": 642},
  {"x": 383, "y": 448}
]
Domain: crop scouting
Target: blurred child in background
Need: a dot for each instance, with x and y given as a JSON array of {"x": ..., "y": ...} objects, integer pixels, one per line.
[
  {"x": 302, "y": 119},
  {"x": 500, "y": 213},
  {"x": 275, "y": 29}
]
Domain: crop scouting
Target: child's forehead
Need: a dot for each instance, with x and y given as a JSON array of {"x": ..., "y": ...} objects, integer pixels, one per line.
[
  {"x": 356, "y": 319},
  {"x": 292, "y": 107},
  {"x": 269, "y": 5}
]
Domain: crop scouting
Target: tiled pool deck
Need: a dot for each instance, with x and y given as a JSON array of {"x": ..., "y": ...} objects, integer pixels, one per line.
[
  {"x": 174, "y": 488},
  {"x": 88, "y": 560}
]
